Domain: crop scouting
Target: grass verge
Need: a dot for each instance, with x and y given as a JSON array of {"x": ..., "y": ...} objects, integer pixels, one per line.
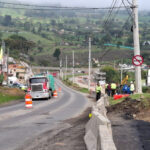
[
  {"x": 75, "y": 86},
  {"x": 143, "y": 97},
  {"x": 10, "y": 94},
  {"x": 8, "y": 98}
]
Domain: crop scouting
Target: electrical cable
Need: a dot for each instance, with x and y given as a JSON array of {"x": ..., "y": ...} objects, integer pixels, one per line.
[
  {"x": 129, "y": 2},
  {"x": 127, "y": 8},
  {"x": 110, "y": 11},
  {"x": 54, "y": 7},
  {"x": 116, "y": 13}
]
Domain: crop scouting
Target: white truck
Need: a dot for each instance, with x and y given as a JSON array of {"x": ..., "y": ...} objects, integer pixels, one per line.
[{"x": 38, "y": 87}]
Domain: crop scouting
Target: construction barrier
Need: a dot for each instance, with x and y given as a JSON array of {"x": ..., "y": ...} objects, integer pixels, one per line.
[
  {"x": 28, "y": 101},
  {"x": 116, "y": 97},
  {"x": 55, "y": 94},
  {"x": 98, "y": 129}
]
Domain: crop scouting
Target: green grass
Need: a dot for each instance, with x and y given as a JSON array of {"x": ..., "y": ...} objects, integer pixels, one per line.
[
  {"x": 7, "y": 98},
  {"x": 76, "y": 75},
  {"x": 14, "y": 13},
  {"x": 84, "y": 90},
  {"x": 75, "y": 86},
  {"x": 143, "y": 97}
]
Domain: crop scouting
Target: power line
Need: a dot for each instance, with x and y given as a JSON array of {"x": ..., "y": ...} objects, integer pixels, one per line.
[
  {"x": 40, "y": 7},
  {"x": 127, "y": 8},
  {"x": 110, "y": 11},
  {"x": 115, "y": 14},
  {"x": 129, "y": 2}
]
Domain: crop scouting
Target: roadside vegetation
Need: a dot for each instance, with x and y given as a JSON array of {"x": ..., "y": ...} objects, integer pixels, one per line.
[
  {"x": 10, "y": 94},
  {"x": 75, "y": 86}
]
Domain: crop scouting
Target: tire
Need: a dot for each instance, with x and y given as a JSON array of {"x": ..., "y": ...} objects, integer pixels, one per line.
[{"x": 50, "y": 94}]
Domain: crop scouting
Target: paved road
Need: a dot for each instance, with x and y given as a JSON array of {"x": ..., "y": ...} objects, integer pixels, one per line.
[{"x": 19, "y": 125}]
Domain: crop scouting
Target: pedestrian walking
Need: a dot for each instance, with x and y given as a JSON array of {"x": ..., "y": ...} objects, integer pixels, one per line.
[{"x": 98, "y": 91}]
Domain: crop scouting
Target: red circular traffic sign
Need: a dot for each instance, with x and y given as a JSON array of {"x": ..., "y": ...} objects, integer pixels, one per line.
[{"x": 137, "y": 60}]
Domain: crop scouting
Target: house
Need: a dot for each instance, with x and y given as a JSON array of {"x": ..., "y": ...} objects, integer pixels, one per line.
[{"x": 16, "y": 70}]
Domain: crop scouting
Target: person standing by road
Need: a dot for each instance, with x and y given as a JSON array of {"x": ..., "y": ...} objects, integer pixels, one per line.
[
  {"x": 113, "y": 88},
  {"x": 98, "y": 91},
  {"x": 108, "y": 89},
  {"x": 132, "y": 88}
]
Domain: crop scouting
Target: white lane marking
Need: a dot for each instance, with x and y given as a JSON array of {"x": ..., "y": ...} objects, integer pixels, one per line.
[
  {"x": 37, "y": 118},
  {"x": 24, "y": 111}
]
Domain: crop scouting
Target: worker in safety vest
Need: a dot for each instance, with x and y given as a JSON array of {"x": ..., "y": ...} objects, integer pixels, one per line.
[
  {"x": 113, "y": 88},
  {"x": 132, "y": 88},
  {"x": 98, "y": 91}
]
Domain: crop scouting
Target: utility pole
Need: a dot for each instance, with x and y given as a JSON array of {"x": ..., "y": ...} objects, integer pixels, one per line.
[
  {"x": 121, "y": 75},
  {"x": 138, "y": 83},
  {"x": 121, "y": 70},
  {"x": 7, "y": 64},
  {"x": 89, "y": 81},
  {"x": 3, "y": 48},
  {"x": 66, "y": 67},
  {"x": 60, "y": 72},
  {"x": 73, "y": 66}
]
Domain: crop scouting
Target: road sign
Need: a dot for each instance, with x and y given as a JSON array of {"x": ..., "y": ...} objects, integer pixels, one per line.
[{"x": 137, "y": 60}]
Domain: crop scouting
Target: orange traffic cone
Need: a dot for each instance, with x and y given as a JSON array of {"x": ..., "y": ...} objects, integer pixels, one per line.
[
  {"x": 28, "y": 101},
  {"x": 59, "y": 89},
  {"x": 55, "y": 94}
]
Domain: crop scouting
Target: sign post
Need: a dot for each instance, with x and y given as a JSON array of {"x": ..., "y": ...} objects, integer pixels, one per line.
[{"x": 137, "y": 60}]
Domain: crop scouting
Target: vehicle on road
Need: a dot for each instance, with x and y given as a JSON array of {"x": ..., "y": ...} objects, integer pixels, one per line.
[{"x": 40, "y": 87}]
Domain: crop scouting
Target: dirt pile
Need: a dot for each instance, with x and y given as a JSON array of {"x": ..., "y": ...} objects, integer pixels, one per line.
[{"x": 130, "y": 108}]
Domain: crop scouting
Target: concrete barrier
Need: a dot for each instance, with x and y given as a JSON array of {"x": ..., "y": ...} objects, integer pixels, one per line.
[{"x": 98, "y": 129}]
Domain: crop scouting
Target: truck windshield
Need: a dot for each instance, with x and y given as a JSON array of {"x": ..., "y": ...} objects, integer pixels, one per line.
[{"x": 37, "y": 80}]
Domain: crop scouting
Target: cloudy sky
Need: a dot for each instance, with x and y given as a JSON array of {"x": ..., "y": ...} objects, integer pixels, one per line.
[{"x": 143, "y": 4}]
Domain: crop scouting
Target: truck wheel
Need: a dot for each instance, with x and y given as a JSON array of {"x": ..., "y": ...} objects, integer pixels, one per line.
[{"x": 50, "y": 94}]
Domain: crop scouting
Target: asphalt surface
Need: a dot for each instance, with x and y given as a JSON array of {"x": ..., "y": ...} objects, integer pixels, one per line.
[{"x": 19, "y": 126}]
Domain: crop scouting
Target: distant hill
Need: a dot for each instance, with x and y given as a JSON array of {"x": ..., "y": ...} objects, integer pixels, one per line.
[{"x": 69, "y": 30}]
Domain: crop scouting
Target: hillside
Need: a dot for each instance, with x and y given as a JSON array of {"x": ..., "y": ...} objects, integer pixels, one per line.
[{"x": 68, "y": 30}]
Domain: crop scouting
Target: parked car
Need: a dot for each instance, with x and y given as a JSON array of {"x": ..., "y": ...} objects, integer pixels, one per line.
[
  {"x": 4, "y": 83},
  {"x": 15, "y": 85}
]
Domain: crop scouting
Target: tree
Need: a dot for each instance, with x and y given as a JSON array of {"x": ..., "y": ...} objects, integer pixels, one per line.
[
  {"x": 53, "y": 22},
  {"x": 57, "y": 53},
  {"x": 7, "y": 20},
  {"x": 27, "y": 26},
  {"x": 1, "y": 79},
  {"x": 118, "y": 44},
  {"x": 40, "y": 28},
  {"x": 112, "y": 75},
  {"x": 18, "y": 44}
]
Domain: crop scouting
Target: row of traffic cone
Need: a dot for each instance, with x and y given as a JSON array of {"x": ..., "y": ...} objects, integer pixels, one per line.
[{"x": 28, "y": 98}]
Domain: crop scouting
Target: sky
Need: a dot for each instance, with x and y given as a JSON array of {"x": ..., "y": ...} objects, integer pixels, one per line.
[{"x": 143, "y": 4}]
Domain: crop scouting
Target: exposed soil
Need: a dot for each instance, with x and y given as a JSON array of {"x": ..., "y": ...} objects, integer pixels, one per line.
[
  {"x": 131, "y": 108},
  {"x": 130, "y": 124},
  {"x": 63, "y": 137}
]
